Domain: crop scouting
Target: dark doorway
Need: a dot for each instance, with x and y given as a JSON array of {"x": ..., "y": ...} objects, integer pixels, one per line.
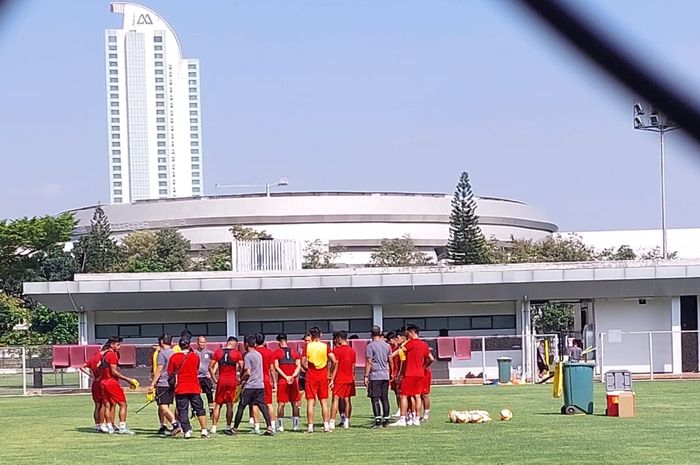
[{"x": 689, "y": 341}]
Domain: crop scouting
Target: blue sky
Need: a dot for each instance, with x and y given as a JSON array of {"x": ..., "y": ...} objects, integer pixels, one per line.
[{"x": 364, "y": 95}]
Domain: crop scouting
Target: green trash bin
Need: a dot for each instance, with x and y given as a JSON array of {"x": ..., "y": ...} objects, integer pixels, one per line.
[
  {"x": 504, "y": 369},
  {"x": 578, "y": 388}
]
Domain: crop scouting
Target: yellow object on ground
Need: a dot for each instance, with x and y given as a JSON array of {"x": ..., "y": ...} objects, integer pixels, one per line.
[
  {"x": 150, "y": 396},
  {"x": 134, "y": 385},
  {"x": 558, "y": 382}
]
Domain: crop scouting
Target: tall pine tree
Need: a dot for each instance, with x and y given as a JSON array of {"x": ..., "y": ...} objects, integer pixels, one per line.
[
  {"x": 466, "y": 245},
  {"x": 96, "y": 252}
]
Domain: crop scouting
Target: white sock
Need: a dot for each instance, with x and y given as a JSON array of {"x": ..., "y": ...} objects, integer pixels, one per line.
[
  {"x": 122, "y": 425},
  {"x": 426, "y": 413},
  {"x": 347, "y": 423},
  {"x": 326, "y": 425},
  {"x": 311, "y": 428},
  {"x": 273, "y": 426},
  {"x": 295, "y": 422},
  {"x": 97, "y": 426},
  {"x": 213, "y": 429},
  {"x": 257, "y": 427},
  {"x": 228, "y": 425},
  {"x": 330, "y": 423}
]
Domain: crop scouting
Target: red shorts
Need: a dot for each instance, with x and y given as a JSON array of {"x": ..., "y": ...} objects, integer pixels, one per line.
[
  {"x": 112, "y": 392},
  {"x": 268, "y": 392},
  {"x": 344, "y": 390},
  {"x": 316, "y": 387},
  {"x": 427, "y": 379},
  {"x": 225, "y": 392},
  {"x": 287, "y": 392},
  {"x": 96, "y": 390},
  {"x": 411, "y": 386}
]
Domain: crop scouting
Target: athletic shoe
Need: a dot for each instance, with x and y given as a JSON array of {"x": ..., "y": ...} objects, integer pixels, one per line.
[
  {"x": 280, "y": 428},
  {"x": 188, "y": 434},
  {"x": 110, "y": 431},
  {"x": 104, "y": 429},
  {"x": 251, "y": 420},
  {"x": 177, "y": 430},
  {"x": 213, "y": 429},
  {"x": 397, "y": 414},
  {"x": 163, "y": 431},
  {"x": 204, "y": 434},
  {"x": 399, "y": 422},
  {"x": 254, "y": 431},
  {"x": 228, "y": 432},
  {"x": 414, "y": 422},
  {"x": 125, "y": 431},
  {"x": 346, "y": 424},
  {"x": 268, "y": 432},
  {"x": 327, "y": 430},
  {"x": 295, "y": 428}
]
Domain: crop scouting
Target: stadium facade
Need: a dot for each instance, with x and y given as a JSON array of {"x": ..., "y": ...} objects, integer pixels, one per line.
[
  {"x": 153, "y": 110},
  {"x": 352, "y": 223}
]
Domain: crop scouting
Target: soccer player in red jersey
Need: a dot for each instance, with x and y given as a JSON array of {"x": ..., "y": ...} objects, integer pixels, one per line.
[
  {"x": 229, "y": 362},
  {"x": 397, "y": 365},
  {"x": 417, "y": 356},
  {"x": 315, "y": 359},
  {"x": 425, "y": 392},
  {"x": 183, "y": 367},
  {"x": 288, "y": 367},
  {"x": 92, "y": 369},
  {"x": 268, "y": 370},
  {"x": 343, "y": 377},
  {"x": 112, "y": 392}
]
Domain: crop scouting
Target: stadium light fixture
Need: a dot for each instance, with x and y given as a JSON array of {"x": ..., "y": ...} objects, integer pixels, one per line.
[
  {"x": 657, "y": 122},
  {"x": 281, "y": 182}
]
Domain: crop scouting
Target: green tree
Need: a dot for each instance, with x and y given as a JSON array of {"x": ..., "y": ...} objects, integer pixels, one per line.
[
  {"x": 397, "y": 253},
  {"x": 22, "y": 324},
  {"x": 146, "y": 251},
  {"x": 172, "y": 249},
  {"x": 218, "y": 259},
  {"x": 656, "y": 254},
  {"x": 466, "y": 245},
  {"x": 317, "y": 255},
  {"x": 96, "y": 251},
  {"x": 550, "y": 249},
  {"x": 245, "y": 233},
  {"x": 624, "y": 252},
  {"x": 552, "y": 317},
  {"x": 25, "y": 244}
]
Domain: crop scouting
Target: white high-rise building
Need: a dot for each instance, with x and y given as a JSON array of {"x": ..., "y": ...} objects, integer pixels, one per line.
[{"x": 154, "y": 112}]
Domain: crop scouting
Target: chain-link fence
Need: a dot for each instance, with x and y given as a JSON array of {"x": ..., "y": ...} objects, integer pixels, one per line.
[{"x": 650, "y": 353}]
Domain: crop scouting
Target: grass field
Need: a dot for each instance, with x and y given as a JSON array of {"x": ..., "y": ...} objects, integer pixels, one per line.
[{"x": 58, "y": 430}]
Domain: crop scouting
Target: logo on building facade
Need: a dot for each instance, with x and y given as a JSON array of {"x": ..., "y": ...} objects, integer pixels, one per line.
[{"x": 144, "y": 19}]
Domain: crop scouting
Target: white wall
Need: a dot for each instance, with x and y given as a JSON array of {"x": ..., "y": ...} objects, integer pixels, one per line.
[{"x": 632, "y": 352}]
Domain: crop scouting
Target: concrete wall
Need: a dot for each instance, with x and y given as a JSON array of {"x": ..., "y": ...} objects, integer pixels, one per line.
[{"x": 631, "y": 351}]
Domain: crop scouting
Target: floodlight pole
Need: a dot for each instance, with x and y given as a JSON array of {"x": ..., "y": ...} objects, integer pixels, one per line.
[{"x": 664, "y": 243}]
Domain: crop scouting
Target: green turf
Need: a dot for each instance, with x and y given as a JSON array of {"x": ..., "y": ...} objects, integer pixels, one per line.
[{"x": 57, "y": 430}]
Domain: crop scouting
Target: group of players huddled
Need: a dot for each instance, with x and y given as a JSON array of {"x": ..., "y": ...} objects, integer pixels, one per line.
[{"x": 398, "y": 360}]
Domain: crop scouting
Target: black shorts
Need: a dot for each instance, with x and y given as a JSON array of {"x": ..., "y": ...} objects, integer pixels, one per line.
[
  {"x": 253, "y": 397},
  {"x": 302, "y": 383},
  {"x": 378, "y": 388},
  {"x": 165, "y": 395},
  {"x": 207, "y": 385}
]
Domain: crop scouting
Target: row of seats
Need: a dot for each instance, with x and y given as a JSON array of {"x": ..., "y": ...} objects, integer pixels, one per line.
[{"x": 73, "y": 356}]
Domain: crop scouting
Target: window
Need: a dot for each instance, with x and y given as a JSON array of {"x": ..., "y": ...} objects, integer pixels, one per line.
[
  {"x": 272, "y": 327},
  {"x": 115, "y": 128},
  {"x": 216, "y": 329},
  {"x": 160, "y": 88},
  {"x": 160, "y": 104},
  {"x": 117, "y": 200},
  {"x": 158, "y": 79},
  {"x": 420, "y": 322},
  {"x": 114, "y": 112},
  {"x": 192, "y": 74},
  {"x": 116, "y": 168},
  {"x": 360, "y": 325},
  {"x": 193, "y": 112},
  {"x": 194, "y": 136},
  {"x": 503, "y": 321},
  {"x": 113, "y": 72},
  {"x": 195, "y": 159},
  {"x": 193, "y": 89},
  {"x": 436, "y": 324},
  {"x": 459, "y": 323},
  {"x": 113, "y": 80},
  {"x": 193, "y": 120},
  {"x": 160, "y": 120},
  {"x": 162, "y": 176},
  {"x": 113, "y": 56},
  {"x": 115, "y": 120},
  {"x": 161, "y": 136},
  {"x": 117, "y": 176},
  {"x": 339, "y": 325},
  {"x": 195, "y": 174},
  {"x": 322, "y": 324},
  {"x": 481, "y": 322},
  {"x": 193, "y": 105},
  {"x": 129, "y": 330},
  {"x": 113, "y": 95},
  {"x": 193, "y": 97},
  {"x": 194, "y": 143},
  {"x": 158, "y": 47},
  {"x": 161, "y": 143},
  {"x": 116, "y": 160},
  {"x": 159, "y": 63},
  {"x": 162, "y": 160},
  {"x": 114, "y": 88},
  {"x": 158, "y": 39},
  {"x": 162, "y": 191},
  {"x": 195, "y": 182},
  {"x": 193, "y": 82},
  {"x": 192, "y": 66},
  {"x": 106, "y": 331},
  {"x": 112, "y": 39},
  {"x": 161, "y": 151},
  {"x": 159, "y": 71},
  {"x": 114, "y": 104},
  {"x": 163, "y": 183},
  {"x": 195, "y": 167},
  {"x": 151, "y": 330},
  {"x": 117, "y": 184},
  {"x": 160, "y": 112},
  {"x": 112, "y": 47},
  {"x": 116, "y": 144},
  {"x": 160, "y": 128},
  {"x": 116, "y": 152},
  {"x": 160, "y": 95},
  {"x": 112, "y": 63},
  {"x": 194, "y": 128},
  {"x": 194, "y": 151},
  {"x": 158, "y": 56},
  {"x": 117, "y": 192}
]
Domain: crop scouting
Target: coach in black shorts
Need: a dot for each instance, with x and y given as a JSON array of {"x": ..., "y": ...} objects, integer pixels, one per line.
[
  {"x": 377, "y": 369},
  {"x": 253, "y": 392},
  {"x": 160, "y": 386}
]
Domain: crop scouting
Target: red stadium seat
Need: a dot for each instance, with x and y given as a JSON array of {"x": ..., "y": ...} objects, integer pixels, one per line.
[
  {"x": 294, "y": 345},
  {"x": 60, "y": 357},
  {"x": 241, "y": 347},
  {"x": 463, "y": 348},
  {"x": 91, "y": 350},
  {"x": 360, "y": 348},
  {"x": 127, "y": 355},
  {"x": 446, "y": 347},
  {"x": 77, "y": 356},
  {"x": 214, "y": 346},
  {"x": 272, "y": 345}
]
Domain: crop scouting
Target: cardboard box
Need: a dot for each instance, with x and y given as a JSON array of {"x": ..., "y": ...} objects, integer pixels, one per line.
[{"x": 627, "y": 404}]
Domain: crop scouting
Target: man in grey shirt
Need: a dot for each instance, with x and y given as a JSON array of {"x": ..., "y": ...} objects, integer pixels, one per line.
[
  {"x": 160, "y": 386},
  {"x": 203, "y": 375},
  {"x": 253, "y": 392},
  {"x": 377, "y": 369}
]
